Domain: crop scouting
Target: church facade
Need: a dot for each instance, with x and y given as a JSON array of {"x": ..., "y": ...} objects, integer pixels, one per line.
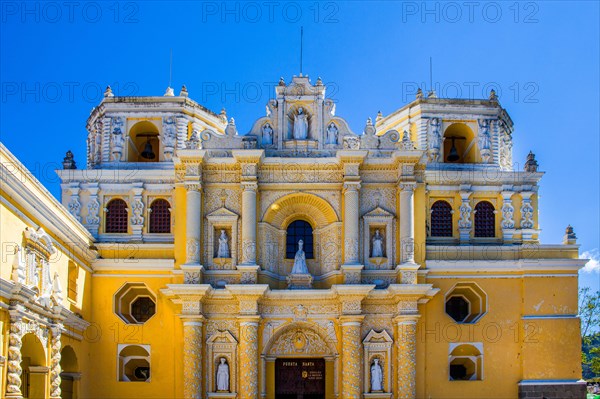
[{"x": 298, "y": 260}]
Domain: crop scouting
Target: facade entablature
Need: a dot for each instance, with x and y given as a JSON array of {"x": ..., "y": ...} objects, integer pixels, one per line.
[{"x": 494, "y": 253}]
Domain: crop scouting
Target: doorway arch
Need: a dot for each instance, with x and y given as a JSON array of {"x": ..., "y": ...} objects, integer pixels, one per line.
[{"x": 301, "y": 340}]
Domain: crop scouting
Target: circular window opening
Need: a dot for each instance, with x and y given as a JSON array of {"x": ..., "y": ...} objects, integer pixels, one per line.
[
  {"x": 142, "y": 309},
  {"x": 457, "y": 307}
]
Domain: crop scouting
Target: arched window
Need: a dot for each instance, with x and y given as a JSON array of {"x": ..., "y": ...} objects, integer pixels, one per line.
[
  {"x": 116, "y": 216},
  {"x": 441, "y": 219},
  {"x": 485, "y": 220},
  {"x": 160, "y": 216},
  {"x": 296, "y": 231}
]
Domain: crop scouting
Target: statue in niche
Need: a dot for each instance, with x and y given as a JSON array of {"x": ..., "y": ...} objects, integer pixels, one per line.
[
  {"x": 267, "y": 137},
  {"x": 376, "y": 377},
  {"x": 484, "y": 135},
  {"x": 223, "y": 251},
  {"x": 332, "y": 134},
  {"x": 377, "y": 251},
  {"x": 300, "y": 261},
  {"x": 223, "y": 376},
  {"x": 300, "y": 125}
]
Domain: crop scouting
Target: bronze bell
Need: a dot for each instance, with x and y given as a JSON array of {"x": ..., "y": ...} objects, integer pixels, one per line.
[{"x": 148, "y": 153}]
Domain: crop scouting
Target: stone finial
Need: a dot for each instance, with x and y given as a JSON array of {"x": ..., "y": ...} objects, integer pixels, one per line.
[
  {"x": 531, "y": 164},
  {"x": 69, "y": 161},
  {"x": 108, "y": 92},
  {"x": 281, "y": 81},
  {"x": 183, "y": 92},
  {"x": 379, "y": 116},
  {"x": 369, "y": 128},
  {"x": 570, "y": 238},
  {"x": 419, "y": 94},
  {"x": 319, "y": 81},
  {"x": 493, "y": 96},
  {"x": 223, "y": 115},
  {"x": 169, "y": 92},
  {"x": 231, "y": 130}
]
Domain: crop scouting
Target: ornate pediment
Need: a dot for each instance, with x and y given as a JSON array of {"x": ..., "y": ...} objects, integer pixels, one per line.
[
  {"x": 222, "y": 213},
  {"x": 379, "y": 212}
]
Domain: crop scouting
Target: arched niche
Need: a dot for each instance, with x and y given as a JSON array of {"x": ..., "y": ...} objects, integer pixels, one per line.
[
  {"x": 70, "y": 373},
  {"x": 301, "y": 340},
  {"x": 292, "y": 111},
  {"x": 140, "y": 134},
  {"x": 464, "y": 141},
  {"x": 326, "y": 234},
  {"x": 34, "y": 376}
]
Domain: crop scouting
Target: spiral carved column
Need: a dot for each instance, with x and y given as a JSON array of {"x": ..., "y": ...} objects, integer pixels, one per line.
[
  {"x": 55, "y": 369},
  {"x": 13, "y": 375}
]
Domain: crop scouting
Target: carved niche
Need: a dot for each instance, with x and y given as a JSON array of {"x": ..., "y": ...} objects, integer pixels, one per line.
[
  {"x": 382, "y": 221},
  {"x": 222, "y": 220},
  {"x": 378, "y": 345},
  {"x": 221, "y": 345}
]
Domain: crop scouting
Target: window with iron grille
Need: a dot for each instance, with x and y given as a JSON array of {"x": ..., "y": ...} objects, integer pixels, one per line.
[
  {"x": 116, "y": 216},
  {"x": 160, "y": 216},
  {"x": 441, "y": 219},
  {"x": 485, "y": 220},
  {"x": 296, "y": 231}
]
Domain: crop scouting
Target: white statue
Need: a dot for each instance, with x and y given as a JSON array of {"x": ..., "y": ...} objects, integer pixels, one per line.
[
  {"x": 332, "y": 133},
  {"x": 267, "y": 137},
  {"x": 223, "y": 251},
  {"x": 300, "y": 261},
  {"x": 376, "y": 377},
  {"x": 223, "y": 376},
  {"x": 300, "y": 125},
  {"x": 377, "y": 251},
  {"x": 484, "y": 135}
]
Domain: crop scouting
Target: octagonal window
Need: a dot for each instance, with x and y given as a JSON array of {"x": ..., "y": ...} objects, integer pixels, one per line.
[
  {"x": 134, "y": 363},
  {"x": 457, "y": 307},
  {"x": 142, "y": 309},
  {"x": 134, "y": 303},
  {"x": 465, "y": 362},
  {"x": 466, "y": 302}
]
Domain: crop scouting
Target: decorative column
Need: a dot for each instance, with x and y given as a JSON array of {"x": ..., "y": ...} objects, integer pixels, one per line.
[
  {"x": 350, "y": 297},
  {"x": 249, "y": 163},
  {"x": 190, "y": 297},
  {"x": 13, "y": 374},
  {"x": 351, "y": 161},
  {"x": 406, "y": 342},
  {"x": 351, "y": 356},
  {"x": 193, "y": 228},
  {"x": 465, "y": 223},
  {"x": 55, "y": 369},
  {"x": 407, "y": 223},
  {"x": 248, "y": 319},
  {"x": 249, "y": 223},
  {"x": 508, "y": 222},
  {"x": 192, "y": 356}
]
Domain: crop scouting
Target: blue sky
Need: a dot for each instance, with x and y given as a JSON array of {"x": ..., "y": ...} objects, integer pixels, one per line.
[{"x": 541, "y": 57}]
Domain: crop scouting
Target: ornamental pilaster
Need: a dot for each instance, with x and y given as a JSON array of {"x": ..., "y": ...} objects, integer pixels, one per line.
[
  {"x": 465, "y": 222},
  {"x": 14, "y": 370},
  {"x": 92, "y": 220},
  {"x": 137, "y": 211},
  {"x": 508, "y": 211},
  {"x": 55, "y": 369},
  {"x": 527, "y": 216},
  {"x": 407, "y": 222},
  {"x": 74, "y": 205}
]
